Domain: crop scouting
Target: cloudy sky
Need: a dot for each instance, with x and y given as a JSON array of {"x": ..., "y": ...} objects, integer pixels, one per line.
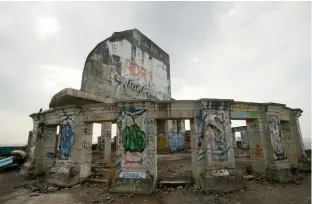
[{"x": 246, "y": 51}]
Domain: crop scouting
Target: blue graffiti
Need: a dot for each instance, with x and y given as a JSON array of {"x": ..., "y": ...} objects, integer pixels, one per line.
[
  {"x": 176, "y": 141},
  {"x": 51, "y": 155},
  {"x": 66, "y": 135},
  {"x": 200, "y": 121}
]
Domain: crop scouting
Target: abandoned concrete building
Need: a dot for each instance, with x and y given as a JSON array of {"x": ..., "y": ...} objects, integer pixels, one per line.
[{"x": 126, "y": 80}]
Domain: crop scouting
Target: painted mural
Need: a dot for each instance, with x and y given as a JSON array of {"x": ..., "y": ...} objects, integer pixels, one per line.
[
  {"x": 132, "y": 141},
  {"x": 161, "y": 142},
  {"x": 217, "y": 127},
  {"x": 126, "y": 70},
  {"x": 277, "y": 139},
  {"x": 66, "y": 137},
  {"x": 176, "y": 141}
]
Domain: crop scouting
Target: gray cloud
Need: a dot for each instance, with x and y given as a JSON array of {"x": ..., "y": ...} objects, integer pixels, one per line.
[{"x": 245, "y": 51}]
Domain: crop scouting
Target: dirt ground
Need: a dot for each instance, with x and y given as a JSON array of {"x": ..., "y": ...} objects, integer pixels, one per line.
[{"x": 170, "y": 167}]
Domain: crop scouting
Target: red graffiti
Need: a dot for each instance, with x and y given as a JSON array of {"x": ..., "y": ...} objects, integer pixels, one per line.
[
  {"x": 259, "y": 152},
  {"x": 133, "y": 69}
]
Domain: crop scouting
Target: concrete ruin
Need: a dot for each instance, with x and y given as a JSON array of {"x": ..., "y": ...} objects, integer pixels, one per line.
[{"x": 126, "y": 80}]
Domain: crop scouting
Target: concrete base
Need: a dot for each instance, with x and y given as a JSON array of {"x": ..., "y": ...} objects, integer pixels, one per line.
[
  {"x": 304, "y": 164},
  {"x": 224, "y": 180},
  {"x": 132, "y": 185},
  {"x": 29, "y": 169},
  {"x": 63, "y": 176},
  {"x": 280, "y": 173}
]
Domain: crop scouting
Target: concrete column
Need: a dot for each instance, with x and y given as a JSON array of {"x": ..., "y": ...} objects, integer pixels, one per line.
[
  {"x": 303, "y": 162},
  {"x": 106, "y": 135},
  {"x": 215, "y": 160},
  {"x": 30, "y": 135},
  {"x": 198, "y": 150},
  {"x": 161, "y": 135},
  {"x": 290, "y": 145},
  {"x": 257, "y": 144},
  {"x": 244, "y": 137},
  {"x": 32, "y": 165},
  {"x": 296, "y": 131},
  {"x": 136, "y": 152},
  {"x": 49, "y": 147},
  {"x": 278, "y": 164},
  {"x": 234, "y": 139},
  {"x": 74, "y": 152},
  {"x": 218, "y": 137}
]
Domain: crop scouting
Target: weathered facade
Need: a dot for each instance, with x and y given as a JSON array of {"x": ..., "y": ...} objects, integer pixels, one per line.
[{"x": 273, "y": 130}]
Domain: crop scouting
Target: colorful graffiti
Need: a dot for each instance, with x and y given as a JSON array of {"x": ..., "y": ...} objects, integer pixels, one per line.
[
  {"x": 133, "y": 73},
  {"x": 132, "y": 175},
  {"x": 66, "y": 137},
  {"x": 161, "y": 142},
  {"x": 277, "y": 139},
  {"x": 217, "y": 126},
  {"x": 258, "y": 152},
  {"x": 176, "y": 141},
  {"x": 133, "y": 138}
]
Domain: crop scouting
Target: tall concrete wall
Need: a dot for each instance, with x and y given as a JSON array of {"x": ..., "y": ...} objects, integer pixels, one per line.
[{"x": 127, "y": 65}]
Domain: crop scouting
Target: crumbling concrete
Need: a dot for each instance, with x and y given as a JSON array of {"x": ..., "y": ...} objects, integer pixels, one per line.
[{"x": 111, "y": 93}]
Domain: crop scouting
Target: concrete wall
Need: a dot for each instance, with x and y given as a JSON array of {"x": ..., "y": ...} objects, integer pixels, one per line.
[
  {"x": 127, "y": 65},
  {"x": 211, "y": 135}
]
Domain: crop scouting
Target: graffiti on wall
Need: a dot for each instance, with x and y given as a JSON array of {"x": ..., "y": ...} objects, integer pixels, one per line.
[
  {"x": 217, "y": 126},
  {"x": 176, "y": 141},
  {"x": 200, "y": 122},
  {"x": 161, "y": 141},
  {"x": 244, "y": 137},
  {"x": 101, "y": 143},
  {"x": 123, "y": 70},
  {"x": 66, "y": 137},
  {"x": 277, "y": 139},
  {"x": 257, "y": 152},
  {"x": 132, "y": 140}
]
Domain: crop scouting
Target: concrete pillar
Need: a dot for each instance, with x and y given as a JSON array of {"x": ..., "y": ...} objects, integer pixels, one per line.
[
  {"x": 136, "y": 152},
  {"x": 74, "y": 152},
  {"x": 49, "y": 147},
  {"x": 106, "y": 137},
  {"x": 257, "y": 144},
  {"x": 214, "y": 148},
  {"x": 278, "y": 165},
  {"x": 32, "y": 165},
  {"x": 198, "y": 146},
  {"x": 161, "y": 135},
  {"x": 234, "y": 139},
  {"x": 303, "y": 162},
  {"x": 244, "y": 137},
  {"x": 290, "y": 146},
  {"x": 296, "y": 131},
  {"x": 30, "y": 135}
]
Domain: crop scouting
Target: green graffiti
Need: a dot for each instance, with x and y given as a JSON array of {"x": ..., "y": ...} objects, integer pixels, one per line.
[
  {"x": 252, "y": 114},
  {"x": 133, "y": 139}
]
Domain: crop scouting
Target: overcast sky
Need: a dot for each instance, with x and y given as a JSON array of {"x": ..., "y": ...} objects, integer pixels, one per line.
[{"x": 259, "y": 52}]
